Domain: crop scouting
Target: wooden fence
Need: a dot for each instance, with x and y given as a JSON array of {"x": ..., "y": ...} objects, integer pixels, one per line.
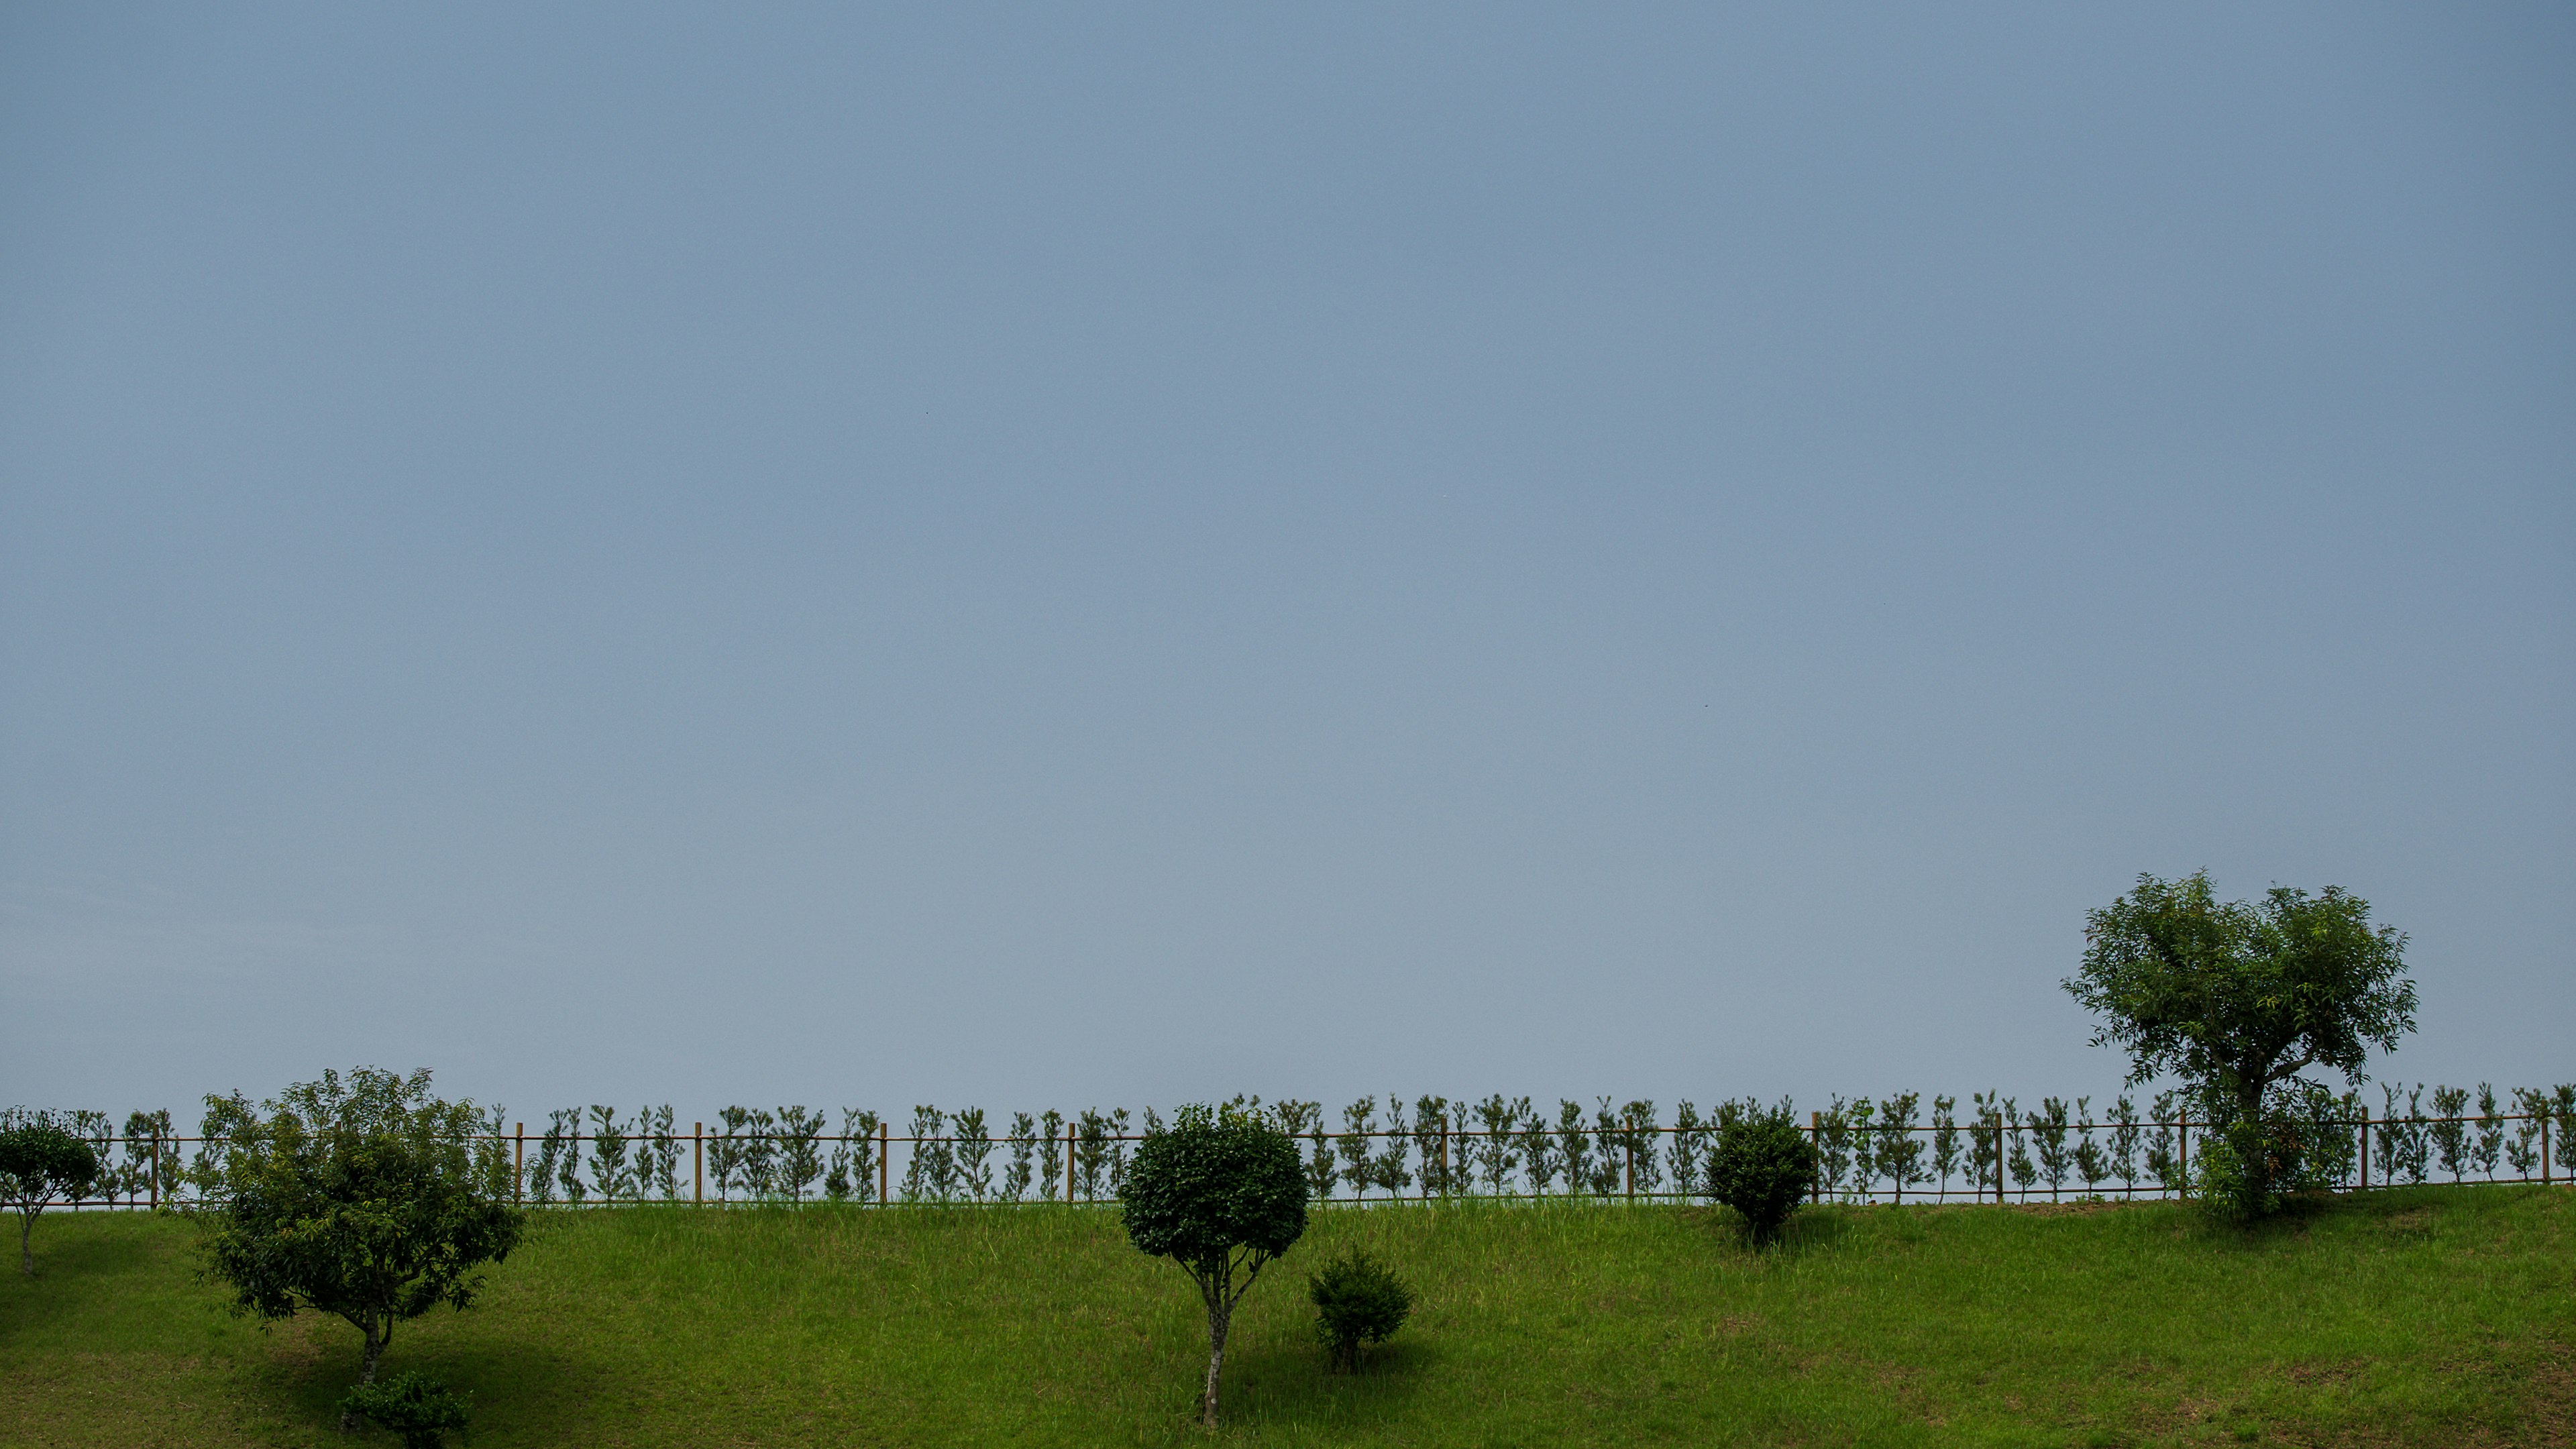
[{"x": 1616, "y": 1163}]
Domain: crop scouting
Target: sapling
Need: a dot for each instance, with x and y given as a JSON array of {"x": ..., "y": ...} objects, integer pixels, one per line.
[
  {"x": 1945, "y": 1140},
  {"x": 608, "y": 1174},
  {"x": 1900, "y": 1152},
  {"x": 2024, "y": 1174},
  {"x": 1688, "y": 1147},
  {"x": 760, "y": 1154},
  {"x": 724, "y": 1152},
  {"x": 1538, "y": 1149},
  {"x": 1985, "y": 1145},
  {"x": 1574, "y": 1147},
  {"x": 2522, "y": 1149},
  {"x": 2162, "y": 1164},
  {"x": 1051, "y": 1151},
  {"x": 927, "y": 1174},
  {"x": 1024, "y": 1143},
  {"x": 662, "y": 1148},
  {"x": 970, "y": 1148},
  {"x": 1832, "y": 1134},
  {"x": 2090, "y": 1164},
  {"x": 2050, "y": 1128},
  {"x": 1639, "y": 1137},
  {"x": 2402, "y": 1137},
  {"x": 2124, "y": 1144},
  {"x": 1090, "y": 1154},
  {"x": 568, "y": 1165},
  {"x": 1430, "y": 1141},
  {"x": 1359, "y": 1164},
  {"x": 1387, "y": 1171},
  {"x": 1498, "y": 1150},
  {"x": 153, "y": 1154},
  {"x": 1117, "y": 1149},
  {"x": 2490, "y": 1130},
  {"x": 1860, "y": 1129},
  {"x": 2450, "y": 1133},
  {"x": 800, "y": 1154}
]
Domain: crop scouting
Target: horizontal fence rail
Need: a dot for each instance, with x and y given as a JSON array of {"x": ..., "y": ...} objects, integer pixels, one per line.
[{"x": 1999, "y": 1155}]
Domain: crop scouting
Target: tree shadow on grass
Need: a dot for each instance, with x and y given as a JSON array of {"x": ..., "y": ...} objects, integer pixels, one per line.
[
  {"x": 1810, "y": 1229},
  {"x": 70, "y": 1272},
  {"x": 1291, "y": 1384},
  {"x": 523, "y": 1392}
]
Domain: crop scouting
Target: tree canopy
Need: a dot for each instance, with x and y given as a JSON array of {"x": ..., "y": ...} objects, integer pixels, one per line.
[
  {"x": 39, "y": 1162},
  {"x": 366, "y": 1197},
  {"x": 2238, "y": 998},
  {"x": 1222, "y": 1193}
]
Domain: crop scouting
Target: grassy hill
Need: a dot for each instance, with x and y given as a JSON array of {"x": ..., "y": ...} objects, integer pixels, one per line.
[{"x": 2420, "y": 1316}]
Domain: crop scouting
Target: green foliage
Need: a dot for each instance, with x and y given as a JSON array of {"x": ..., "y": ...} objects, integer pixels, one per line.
[
  {"x": 1357, "y": 1300},
  {"x": 41, "y": 1160},
  {"x": 368, "y": 1198},
  {"x": 1221, "y": 1193},
  {"x": 1764, "y": 1166},
  {"x": 2247, "y": 1167},
  {"x": 419, "y": 1408},
  {"x": 2237, "y": 999}
]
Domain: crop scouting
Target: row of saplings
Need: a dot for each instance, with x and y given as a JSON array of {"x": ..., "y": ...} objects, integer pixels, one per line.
[{"x": 370, "y": 1198}]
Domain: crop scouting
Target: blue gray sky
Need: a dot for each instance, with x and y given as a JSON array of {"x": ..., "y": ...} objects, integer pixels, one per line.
[{"x": 1118, "y": 554}]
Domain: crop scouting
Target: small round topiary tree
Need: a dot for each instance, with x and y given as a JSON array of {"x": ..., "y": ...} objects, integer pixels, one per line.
[
  {"x": 1221, "y": 1193},
  {"x": 1763, "y": 1166},
  {"x": 40, "y": 1162},
  {"x": 1357, "y": 1300}
]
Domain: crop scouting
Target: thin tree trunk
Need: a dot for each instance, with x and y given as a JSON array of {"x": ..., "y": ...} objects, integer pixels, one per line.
[
  {"x": 26, "y": 1254},
  {"x": 366, "y": 1372},
  {"x": 1220, "y": 1314}
]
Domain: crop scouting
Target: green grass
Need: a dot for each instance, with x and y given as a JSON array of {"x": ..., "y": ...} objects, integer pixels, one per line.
[{"x": 2421, "y": 1316}]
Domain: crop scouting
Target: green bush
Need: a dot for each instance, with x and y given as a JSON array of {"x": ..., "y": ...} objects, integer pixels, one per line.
[
  {"x": 1764, "y": 1166},
  {"x": 414, "y": 1405},
  {"x": 1357, "y": 1300}
]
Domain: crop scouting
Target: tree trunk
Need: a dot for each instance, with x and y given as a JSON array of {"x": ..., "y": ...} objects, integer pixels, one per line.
[
  {"x": 26, "y": 1254},
  {"x": 1220, "y": 1313},
  {"x": 366, "y": 1371}
]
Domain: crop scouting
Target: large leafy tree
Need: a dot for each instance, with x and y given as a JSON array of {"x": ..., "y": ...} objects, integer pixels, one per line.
[
  {"x": 40, "y": 1161},
  {"x": 366, "y": 1197},
  {"x": 1222, "y": 1193},
  {"x": 2238, "y": 998}
]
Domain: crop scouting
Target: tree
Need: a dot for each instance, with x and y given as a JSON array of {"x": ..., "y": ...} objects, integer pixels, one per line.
[
  {"x": 39, "y": 1162},
  {"x": 369, "y": 1198},
  {"x": 1764, "y": 1165},
  {"x": 1221, "y": 1193},
  {"x": 1357, "y": 1300},
  {"x": 2237, "y": 999}
]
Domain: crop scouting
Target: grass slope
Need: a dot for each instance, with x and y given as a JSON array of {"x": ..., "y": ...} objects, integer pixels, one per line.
[{"x": 2425, "y": 1316}]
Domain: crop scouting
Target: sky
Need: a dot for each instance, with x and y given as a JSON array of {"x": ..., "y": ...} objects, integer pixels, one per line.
[{"x": 1123, "y": 554}]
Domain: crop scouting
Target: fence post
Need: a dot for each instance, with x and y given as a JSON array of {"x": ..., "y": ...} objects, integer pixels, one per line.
[
  {"x": 155, "y": 1170},
  {"x": 519, "y": 1163},
  {"x": 2184, "y": 1166},
  {"x": 2544, "y": 1144},
  {"x": 885, "y": 1146},
  {"x": 1816, "y": 1139},
  {"x": 2365, "y": 1144},
  {"x": 1999, "y": 1159},
  {"x": 698, "y": 1164},
  {"x": 1068, "y": 1164}
]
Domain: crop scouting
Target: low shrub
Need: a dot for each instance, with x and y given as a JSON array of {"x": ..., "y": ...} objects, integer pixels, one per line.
[
  {"x": 1764, "y": 1166},
  {"x": 1357, "y": 1300},
  {"x": 412, "y": 1404}
]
